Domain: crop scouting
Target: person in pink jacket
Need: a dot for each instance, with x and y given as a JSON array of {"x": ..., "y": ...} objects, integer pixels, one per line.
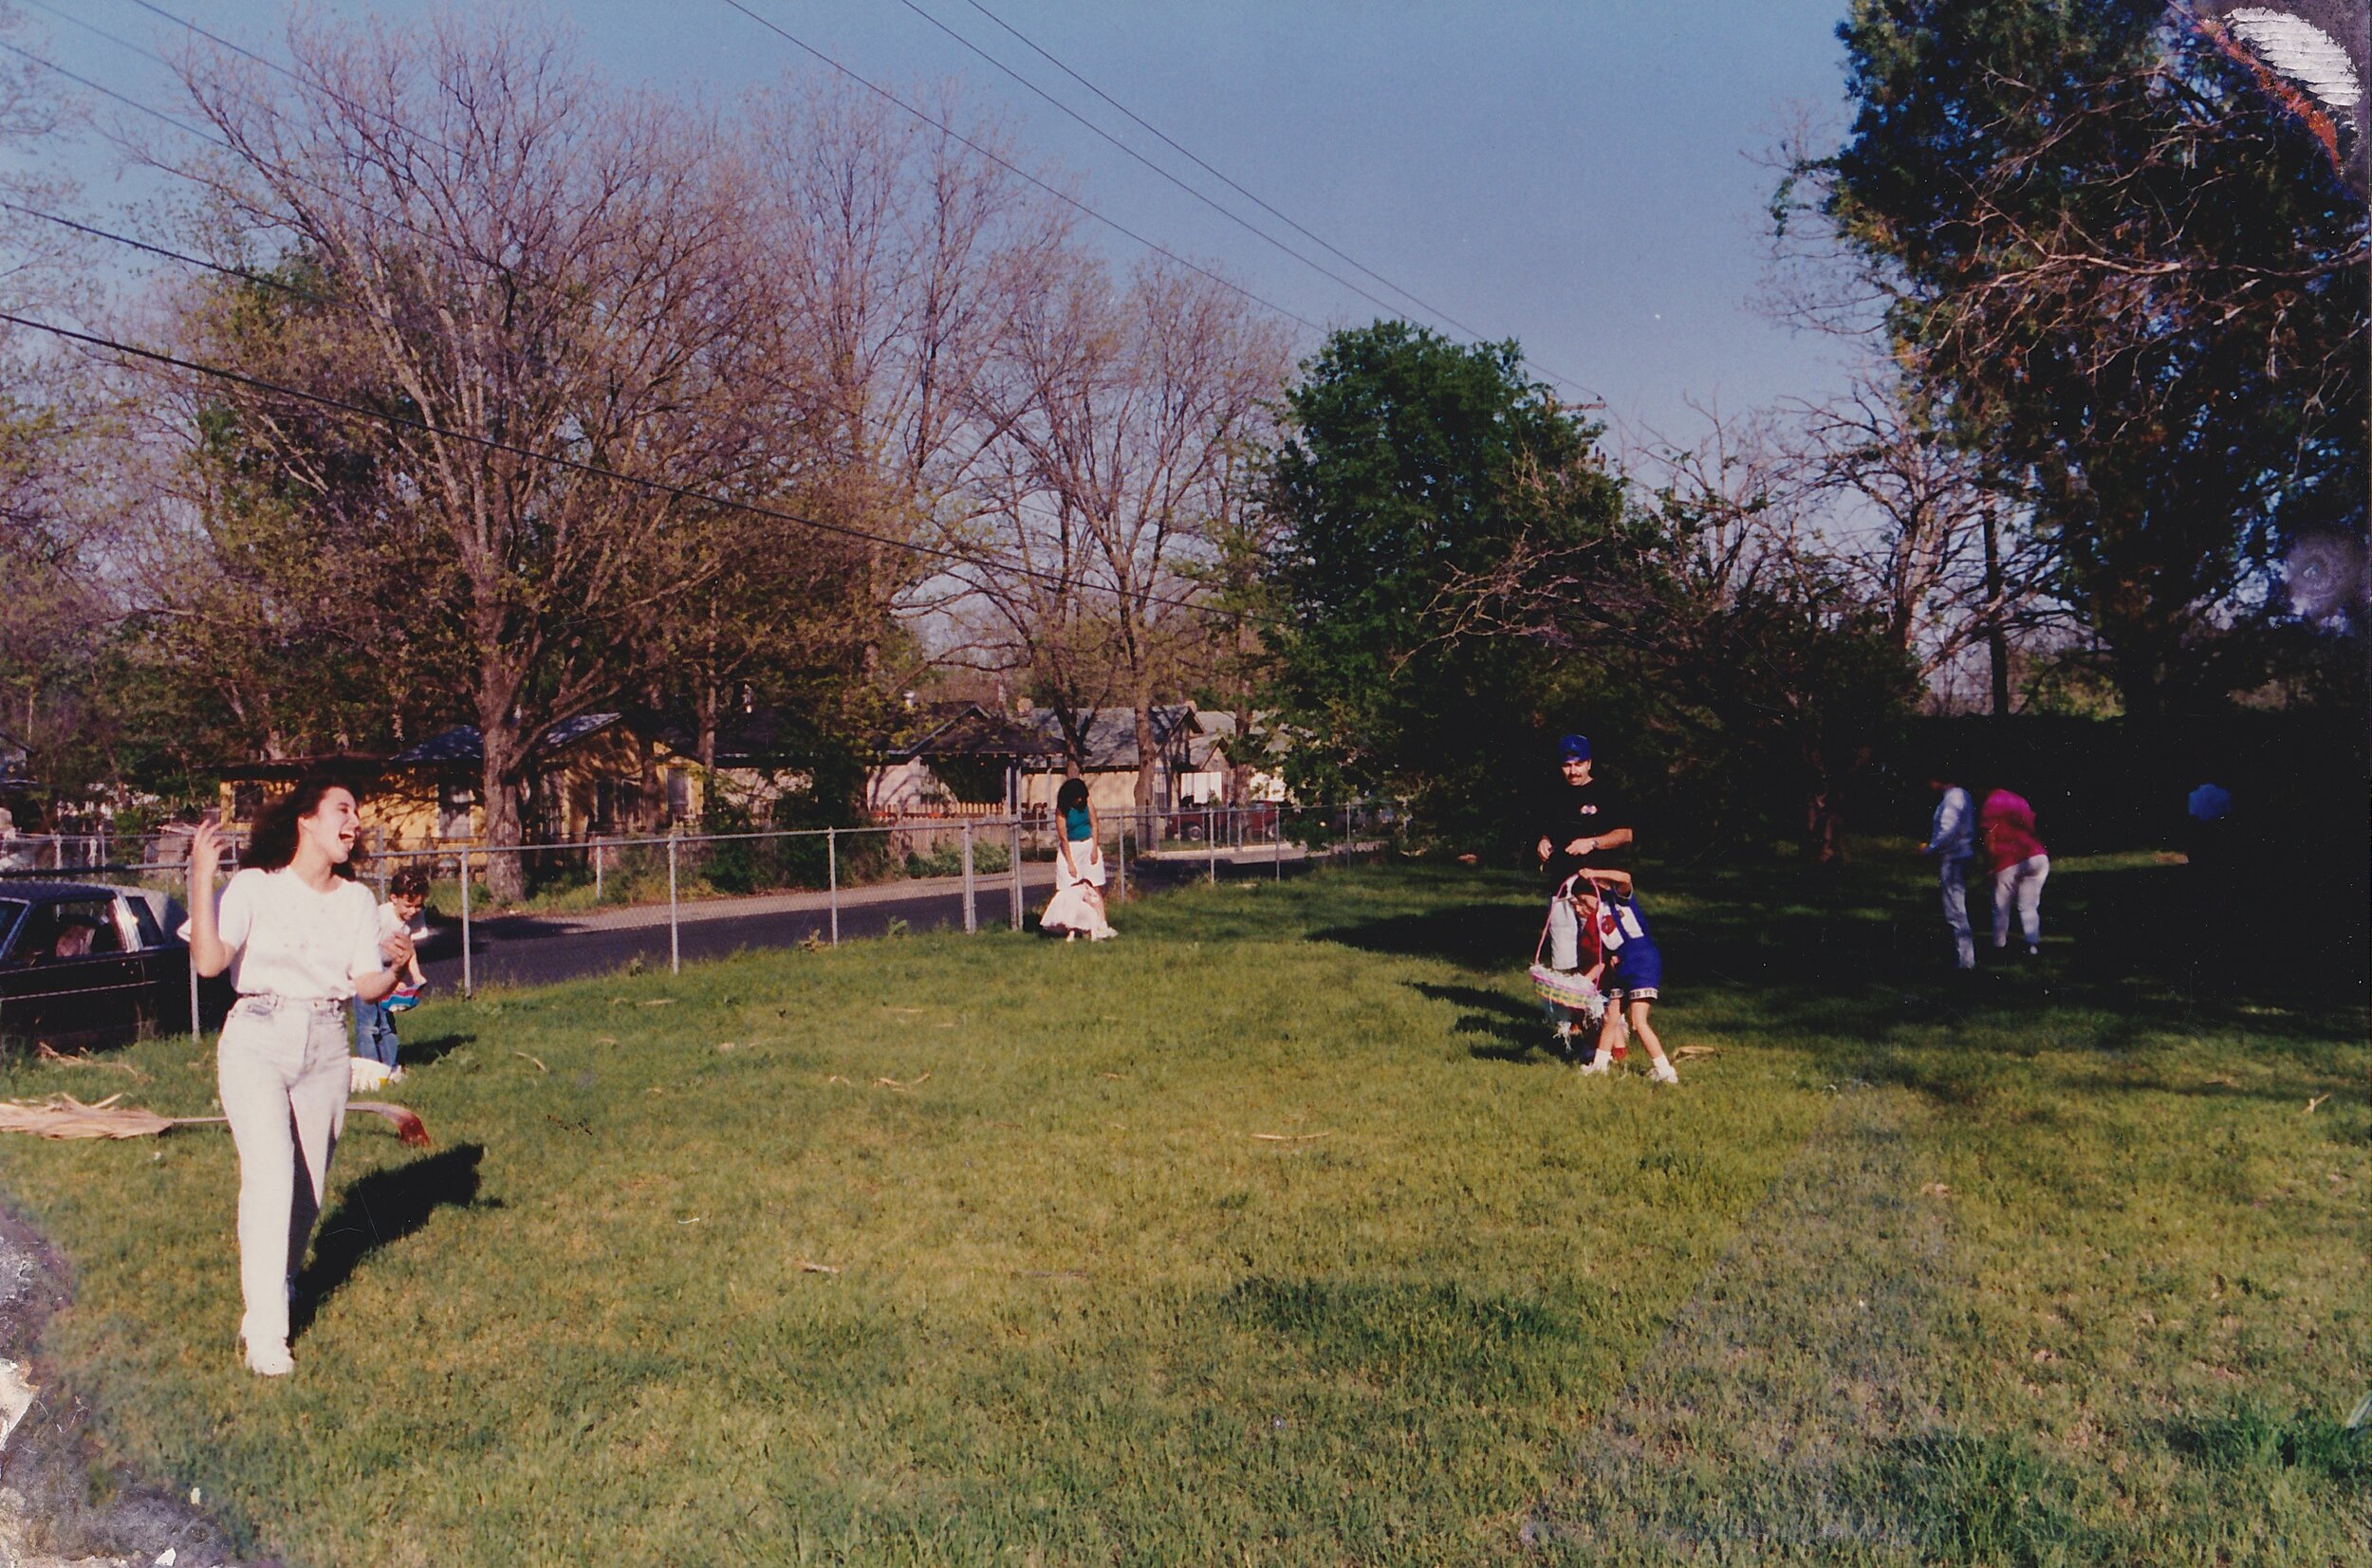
[{"x": 2019, "y": 865}]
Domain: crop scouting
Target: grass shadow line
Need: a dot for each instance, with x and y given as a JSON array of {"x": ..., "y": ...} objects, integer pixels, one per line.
[
  {"x": 379, "y": 1210},
  {"x": 419, "y": 1053}
]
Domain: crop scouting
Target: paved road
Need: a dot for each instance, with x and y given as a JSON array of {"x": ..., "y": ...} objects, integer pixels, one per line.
[{"x": 529, "y": 949}]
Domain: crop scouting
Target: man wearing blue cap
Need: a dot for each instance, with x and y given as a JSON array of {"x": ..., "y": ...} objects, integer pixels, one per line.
[{"x": 1583, "y": 822}]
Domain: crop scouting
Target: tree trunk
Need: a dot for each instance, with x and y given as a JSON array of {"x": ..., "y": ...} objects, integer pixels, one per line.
[
  {"x": 504, "y": 771},
  {"x": 1996, "y": 635},
  {"x": 1239, "y": 771},
  {"x": 1823, "y": 817},
  {"x": 1144, "y": 765}
]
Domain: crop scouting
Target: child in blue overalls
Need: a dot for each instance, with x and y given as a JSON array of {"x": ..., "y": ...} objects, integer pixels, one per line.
[{"x": 1634, "y": 975}]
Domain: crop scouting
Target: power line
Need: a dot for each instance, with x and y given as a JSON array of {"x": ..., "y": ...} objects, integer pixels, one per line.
[
  {"x": 575, "y": 464},
  {"x": 1224, "y": 211},
  {"x": 78, "y": 79},
  {"x": 1020, "y": 173},
  {"x": 272, "y": 64},
  {"x": 265, "y": 280},
  {"x": 215, "y": 139},
  {"x": 1319, "y": 240}
]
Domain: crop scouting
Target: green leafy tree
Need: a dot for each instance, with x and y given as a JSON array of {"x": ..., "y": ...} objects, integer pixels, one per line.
[
  {"x": 2128, "y": 275},
  {"x": 1447, "y": 525}
]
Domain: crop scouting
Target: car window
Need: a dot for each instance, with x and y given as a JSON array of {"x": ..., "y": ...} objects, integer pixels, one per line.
[
  {"x": 144, "y": 917},
  {"x": 10, "y": 910},
  {"x": 65, "y": 930}
]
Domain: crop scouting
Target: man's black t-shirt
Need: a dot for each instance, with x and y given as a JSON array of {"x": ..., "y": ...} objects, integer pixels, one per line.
[{"x": 1591, "y": 811}]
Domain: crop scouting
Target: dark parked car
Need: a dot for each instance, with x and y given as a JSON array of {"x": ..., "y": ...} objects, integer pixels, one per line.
[
  {"x": 1192, "y": 822},
  {"x": 85, "y": 964}
]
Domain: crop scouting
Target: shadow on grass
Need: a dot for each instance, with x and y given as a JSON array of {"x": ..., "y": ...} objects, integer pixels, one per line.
[
  {"x": 381, "y": 1209},
  {"x": 2252, "y": 1438},
  {"x": 1510, "y": 1030},
  {"x": 419, "y": 1053},
  {"x": 1426, "y": 1334},
  {"x": 1477, "y": 936},
  {"x": 1860, "y": 954}
]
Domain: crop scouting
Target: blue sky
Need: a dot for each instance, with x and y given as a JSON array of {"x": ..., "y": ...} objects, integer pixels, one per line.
[{"x": 1574, "y": 175}]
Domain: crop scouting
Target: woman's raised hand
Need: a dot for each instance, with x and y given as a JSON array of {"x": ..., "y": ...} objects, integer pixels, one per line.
[
  {"x": 205, "y": 853},
  {"x": 205, "y": 838}
]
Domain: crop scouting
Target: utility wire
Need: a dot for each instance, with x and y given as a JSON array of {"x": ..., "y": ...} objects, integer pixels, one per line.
[
  {"x": 265, "y": 280},
  {"x": 214, "y": 138},
  {"x": 1223, "y": 210},
  {"x": 272, "y": 64},
  {"x": 1020, "y": 173},
  {"x": 1169, "y": 142},
  {"x": 575, "y": 464},
  {"x": 177, "y": 123}
]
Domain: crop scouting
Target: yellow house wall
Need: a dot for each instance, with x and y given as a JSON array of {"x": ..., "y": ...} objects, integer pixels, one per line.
[
  {"x": 620, "y": 755},
  {"x": 400, "y": 808}
]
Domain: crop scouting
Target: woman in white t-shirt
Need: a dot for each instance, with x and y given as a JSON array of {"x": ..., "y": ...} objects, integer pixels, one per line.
[{"x": 301, "y": 943}]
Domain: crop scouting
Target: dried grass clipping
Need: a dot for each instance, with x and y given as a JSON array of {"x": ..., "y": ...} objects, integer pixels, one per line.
[{"x": 63, "y": 1116}]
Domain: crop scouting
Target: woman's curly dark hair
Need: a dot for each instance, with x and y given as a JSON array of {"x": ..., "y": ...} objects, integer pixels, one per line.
[
  {"x": 273, "y": 844},
  {"x": 1071, "y": 796}
]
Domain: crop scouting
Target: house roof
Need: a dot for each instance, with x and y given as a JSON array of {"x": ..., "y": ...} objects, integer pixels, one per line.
[
  {"x": 1217, "y": 741},
  {"x": 462, "y": 743},
  {"x": 752, "y": 737},
  {"x": 1108, "y": 736},
  {"x": 973, "y": 730},
  {"x": 358, "y": 765}
]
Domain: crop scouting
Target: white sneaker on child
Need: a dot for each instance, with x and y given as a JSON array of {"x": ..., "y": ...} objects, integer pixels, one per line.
[
  {"x": 1598, "y": 1065},
  {"x": 1663, "y": 1072}
]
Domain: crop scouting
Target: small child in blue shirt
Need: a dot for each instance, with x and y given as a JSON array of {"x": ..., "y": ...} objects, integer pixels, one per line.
[{"x": 1634, "y": 975}]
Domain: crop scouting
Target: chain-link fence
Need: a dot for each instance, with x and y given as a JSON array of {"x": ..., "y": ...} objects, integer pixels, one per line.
[
  {"x": 66, "y": 853},
  {"x": 548, "y": 912}
]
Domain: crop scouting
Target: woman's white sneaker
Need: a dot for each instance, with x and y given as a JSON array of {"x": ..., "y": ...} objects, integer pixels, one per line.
[{"x": 270, "y": 1359}]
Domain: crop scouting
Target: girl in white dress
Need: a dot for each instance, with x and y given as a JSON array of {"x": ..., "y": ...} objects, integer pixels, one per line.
[
  {"x": 301, "y": 943},
  {"x": 1076, "y": 907}
]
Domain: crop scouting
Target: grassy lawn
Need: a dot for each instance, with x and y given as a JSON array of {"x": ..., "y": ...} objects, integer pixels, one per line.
[{"x": 1268, "y": 1235}]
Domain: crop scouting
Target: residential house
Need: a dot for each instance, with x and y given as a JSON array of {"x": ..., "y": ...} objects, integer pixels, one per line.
[
  {"x": 971, "y": 761},
  {"x": 755, "y": 751},
  {"x": 1212, "y": 757},
  {"x": 597, "y": 775},
  {"x": 964, "y": 760}
]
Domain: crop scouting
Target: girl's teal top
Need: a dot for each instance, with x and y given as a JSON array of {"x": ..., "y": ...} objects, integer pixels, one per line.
[{"x": 1076, "y": 826}]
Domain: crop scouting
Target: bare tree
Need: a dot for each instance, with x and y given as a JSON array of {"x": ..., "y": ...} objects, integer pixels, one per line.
[
  {"x": 1936, "y": 536},
  {"x": 1134, "y": 403},
  {"x": 509, "y": 261},
  {"x": 901, "y": 253},
  {"x": 1780, "y": 656}
]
